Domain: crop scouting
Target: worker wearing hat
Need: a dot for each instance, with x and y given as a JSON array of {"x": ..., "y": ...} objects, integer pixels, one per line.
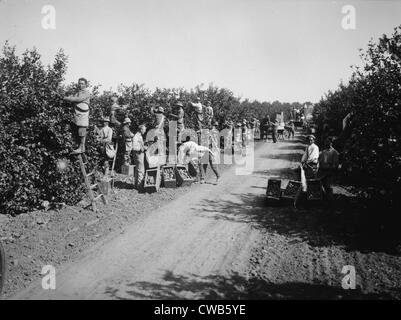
[
  {"x": 310, "y": 157},
  {"x": 105, "y": 138},
  {"x": 158, "y": 112},
  {"x": 127, "y": 137},
  {"x": 113, "y": 110},
  {"x": 139, "y": 149},
  {"x": 178, "y": 115},
  {"x": 198, "y": 107},
  {"x": 81, "y": 101},
  {"x": 208, "y": 114}
]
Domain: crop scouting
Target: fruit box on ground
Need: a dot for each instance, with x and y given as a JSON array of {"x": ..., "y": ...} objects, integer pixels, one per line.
[
  {"x": 314, "y": 190},
  {"x": 169, "y": 177},
  {"x": 292, "y": 189},
  {"x": 152, "y": 180},
  {"x": 183, "y": 177},
  {"x": 127, "y": 170},
  {"x": 273, "y": 190}
]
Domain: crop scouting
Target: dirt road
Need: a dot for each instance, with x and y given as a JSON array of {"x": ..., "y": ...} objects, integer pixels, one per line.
[{"x": 222, "y": 241}]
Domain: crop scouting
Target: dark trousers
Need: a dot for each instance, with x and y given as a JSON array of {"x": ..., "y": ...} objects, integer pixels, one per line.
[{"x": 212, "y": 165}]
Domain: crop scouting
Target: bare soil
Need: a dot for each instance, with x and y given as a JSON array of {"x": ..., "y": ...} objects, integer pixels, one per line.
[{"x": 222, "y": 241}]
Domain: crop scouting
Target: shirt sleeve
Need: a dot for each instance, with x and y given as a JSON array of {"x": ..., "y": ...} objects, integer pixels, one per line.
[{"x": 82, "y": 96}]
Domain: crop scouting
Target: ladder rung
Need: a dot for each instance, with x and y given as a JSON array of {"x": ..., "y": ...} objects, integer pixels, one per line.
[
  {"x": 98, "y": 197},
  {"x": 93, "y": 186}
]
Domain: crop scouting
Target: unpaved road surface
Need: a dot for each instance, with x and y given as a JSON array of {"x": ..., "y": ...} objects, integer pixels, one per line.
[{"x": 225, "y": 242}]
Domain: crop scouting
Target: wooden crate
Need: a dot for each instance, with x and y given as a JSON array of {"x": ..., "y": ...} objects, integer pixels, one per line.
[
  {"x": 169, "y": 177},
  {"x": 314, "y": 190},
  {"x": 152, "y": 180},
  {"x": 183, "y": 177},
  {"x": 273, "y": 189},
  {"x": 292, "y": 189},
  {"x": 127, "y": 170}
]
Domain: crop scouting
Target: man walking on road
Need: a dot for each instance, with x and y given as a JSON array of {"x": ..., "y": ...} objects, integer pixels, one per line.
[
  {"x": 213, "y": 154},
  {"x": 328, "y": 165},
  {"x": 81, "y": 102},
  {"x": 139, "y": 156}
]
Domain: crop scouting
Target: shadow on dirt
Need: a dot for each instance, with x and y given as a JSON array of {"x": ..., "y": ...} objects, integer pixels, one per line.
[
  {"x": 343, "y": 223},
  {"x": 179, "y": 287}
]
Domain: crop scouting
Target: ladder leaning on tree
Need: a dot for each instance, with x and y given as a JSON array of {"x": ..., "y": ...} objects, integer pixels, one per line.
[{"x": 90, "y": 187}]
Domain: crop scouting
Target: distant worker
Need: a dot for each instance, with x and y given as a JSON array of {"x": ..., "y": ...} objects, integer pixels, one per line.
[
  {"x": 127, "y": 137},
  {"x": 178, "y": 115},
  {"x": 105, "y": 138},
  {"x": 275, "y": 126},
  {"x": 328, "y": 166},
  {"x": 310, "y": 158},
  {"x": 158, "y": 113},
  {"x": 213, "y": 154},
  {"x": 139, "y": 149},
  {"x": 198, "y": 109},
  {"x": 208, "y": 115},
  {"x": 81, "y": 102},
  {"x": 113, "y": 110}
]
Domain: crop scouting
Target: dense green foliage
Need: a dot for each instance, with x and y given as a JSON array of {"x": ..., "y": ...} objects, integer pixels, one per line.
[
  {"x": 371, "y": 145},
  {"x": 35, "y": 126}
]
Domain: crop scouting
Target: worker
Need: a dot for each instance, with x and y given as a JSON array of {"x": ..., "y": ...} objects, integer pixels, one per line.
[
  {"x": 127, "y": 137},
  {"x": 178, "y": 115},
  {"x": 244, "y": 132},
  {"x": 158, "y": 113},
  {"x": 139, "y": 149},
  {"x": 113, "y": 110},
  {"x": 291, "y": 129},
  {"x": 212, "y": 156},
  {"x": 198, "y": 108},
  {"x": 275, "y": 125},
  {"x": 191, "y": 152},
  {"x": 208, "y": 114},
  {"x": 105, "y": 138},
  {"x": 265, "y": 126},
  {"x": 81, "y": 102},
  {"x": 310, "y": 158},
  {"x": 238, "y": 137},
  {"x": 328, "y": 165}
]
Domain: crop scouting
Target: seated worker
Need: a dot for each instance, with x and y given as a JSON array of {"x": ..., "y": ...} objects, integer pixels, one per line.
[
  {"x": 310, "y": 158},
  {"x": 328, "y": 165}
]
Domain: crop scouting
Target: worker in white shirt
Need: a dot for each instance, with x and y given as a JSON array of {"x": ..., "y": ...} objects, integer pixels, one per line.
[
  {"x": 139, "y": 149},
  {"x": 198, "y": 114},
  {"x": 105, "y": 138},
  {"x": 212, "y": 156},
  {"x": 310, "y": 158},
  {"x": 190, "y": 151}
]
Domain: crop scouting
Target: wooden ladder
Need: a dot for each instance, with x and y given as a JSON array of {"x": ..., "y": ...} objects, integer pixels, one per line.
[{"x": 90, "y": 187}]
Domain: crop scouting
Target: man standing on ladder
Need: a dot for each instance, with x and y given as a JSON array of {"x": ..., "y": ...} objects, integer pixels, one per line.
[
  {"x": 81, "y": 113},
  {"x": 139, "y": 156}
]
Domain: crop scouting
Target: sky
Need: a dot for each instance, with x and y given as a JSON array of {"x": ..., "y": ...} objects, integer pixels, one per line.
[{"x": 260, "y": 49}]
